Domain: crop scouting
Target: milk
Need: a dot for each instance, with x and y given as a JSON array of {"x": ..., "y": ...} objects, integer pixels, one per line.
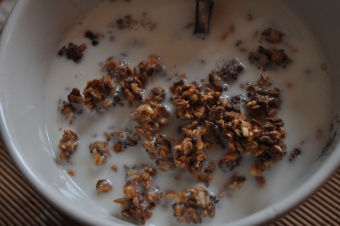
[{"x": 303, "y": 84}]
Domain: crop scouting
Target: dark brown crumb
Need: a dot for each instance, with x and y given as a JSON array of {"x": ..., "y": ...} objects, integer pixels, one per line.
[
  {"x": 114, "y": 168},
  {"x": 94, "y": 37},
  {"x": 261, "y": 181},
  {"x": 73, "y": 52},
  {"x": 272, "y": 36},
  {"x": 294, "y": 154},
  {"x": 71, "y": 173}
]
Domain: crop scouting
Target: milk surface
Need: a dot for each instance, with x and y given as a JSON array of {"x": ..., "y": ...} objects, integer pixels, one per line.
[{"x": 304, "y": 86}]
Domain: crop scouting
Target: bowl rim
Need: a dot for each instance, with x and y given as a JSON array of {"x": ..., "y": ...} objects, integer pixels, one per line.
[{"x": 267, "y": 214}]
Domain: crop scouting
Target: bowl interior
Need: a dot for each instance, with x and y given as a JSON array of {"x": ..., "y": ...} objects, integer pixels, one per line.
[{"x": 28, "y": 43}]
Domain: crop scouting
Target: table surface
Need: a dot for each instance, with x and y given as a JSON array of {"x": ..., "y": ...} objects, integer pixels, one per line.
[{"x": 20, "y": 204}]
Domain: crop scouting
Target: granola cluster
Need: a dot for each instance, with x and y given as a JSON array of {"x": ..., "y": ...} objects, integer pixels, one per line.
[
  {"x": 160, "y": 150},
  {"x": 272, "y": 35},
  {"x": 261, "y": 100},
  {"x": 270, "y": 57},
  {"x": 191, "y": 156},
  {"x": 190, "y": 102},
  {"x": 193, "y": 205},
  {"x": 100, "y": 152},
  {"x": 149, "y": 118},
  {"x": 68, "y": 144},
  {"x": 122, "y": 139},
  {"x": 120, "y": 83},
  {"x": 139, "y": 200},
  {"x": 73, "y": 51}
]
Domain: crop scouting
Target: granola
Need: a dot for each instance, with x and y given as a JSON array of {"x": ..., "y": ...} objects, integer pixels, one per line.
[
  {"x": 139, "y": 199},
  {"x": 193, "y": 205},
  {"x": 73, "y": 51},
  {"x": 68, "y": 144}
]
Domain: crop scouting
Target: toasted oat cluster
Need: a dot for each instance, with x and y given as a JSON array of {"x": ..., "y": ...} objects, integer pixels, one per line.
[
  {"x": 261, "y": 100},
  {"x": 160, "y": 150},
  {"x": 236, "y": 182},
  {"x": 193, "y": 205},
  {"x": 122, "y": 139},
  {"x": 139, "y": 200},
  {"x": 229, "y": 69},
  {"x": 272, "y": 36},
  {"x": 100, "y": 152},
  {"x": 73, "y": 51},
  {"x": 270, "y": 57},
  {"x": 149, "y": 118},
  {"x": 190, "y": 155},
  {"x": 68, "y": 144}
]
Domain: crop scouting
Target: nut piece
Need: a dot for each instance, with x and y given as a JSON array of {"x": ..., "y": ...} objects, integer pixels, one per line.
[
  {"x": 103, "y": 186},
  {"x": 193, "y": 205},
  {"x": 100, "y": 152},
  {"x": 68, "y": 144}
]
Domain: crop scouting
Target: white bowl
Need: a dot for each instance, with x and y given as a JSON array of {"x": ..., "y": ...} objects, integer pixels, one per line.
[{"x": 28, "y": 43}]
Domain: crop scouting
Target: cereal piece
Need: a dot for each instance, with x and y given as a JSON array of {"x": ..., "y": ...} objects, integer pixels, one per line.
[
  {"x": 96, "y": 93},
  {"x": 148, "y": 119},
  {"x": 103, "y": 186},
  {"x": 94, "y": 37},
  {"x": 272, "y": 36},
  {"x": 125, "y": 22},
  {"x": 294, "y": 154},
  {"x": 114, "y": 168},
  {"x": 262, "y": 101},
  {"x": 190, "y": 101},
  {"x": 71, "y": 172},
  {"x": 138, "y": 200},
  {"x": 229, "y": 69},
  {"x": 261, "y": 181},
  {"x": 124, "y": 139},
  {"x": 68, "y": 144},
  {"x": 160, "y": 149},
  {"x": 236, "y": 182},
  {"x": 269, "y": 58},
  {"x": 193, "y": 205},
  {"x": 100, "y": 152},
  {"x": 73, "y": 52},
  {"x": 75, "y": 97},
  {"x": 156, "y": 94},
  {"x": 170, "y": 195}
]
